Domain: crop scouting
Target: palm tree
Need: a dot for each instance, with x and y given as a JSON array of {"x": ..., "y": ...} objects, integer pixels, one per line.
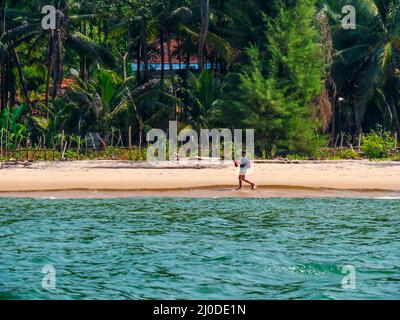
[
  {"x": 136, "y": 27},
  {"x": 65, "y": 34},
  {"x": 12, "y": 34},
  {"x": 205, "y": 94},
  {"x": 170, "y": 15},
  {"x": 366, "y": 62},
  {"x": 28, "y": 32},
  {"x": 3, "y": 55},
  {"x": 205, "y": 21}
]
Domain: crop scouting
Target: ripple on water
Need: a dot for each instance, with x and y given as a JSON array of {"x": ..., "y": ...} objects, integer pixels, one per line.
[{"x": 200, "y": 248}]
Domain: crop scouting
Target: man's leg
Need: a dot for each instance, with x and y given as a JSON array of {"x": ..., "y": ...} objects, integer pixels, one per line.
[
  {"x": 249, "y": 182},
  {"x": 240, "y": 183}
]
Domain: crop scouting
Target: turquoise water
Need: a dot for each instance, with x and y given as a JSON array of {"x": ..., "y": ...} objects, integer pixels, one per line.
[{"x": 155, "y": 248}]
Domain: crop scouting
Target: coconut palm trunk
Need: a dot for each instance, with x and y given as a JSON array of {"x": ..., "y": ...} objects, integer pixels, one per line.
[
  {"x": 3, "y": 57},
  {"x": 396, "y": 119},
  {"x": 57, "y": 66},
  {"x": 171, "y": 72},
  {"x": 357, "y": 120},
  {"x": 24, "y": 90},
  {"x": 49, "y": 69},
  {"x": 144, "y": 47},
  {"x": 83, "y": 63},
  {"x": 59, "y": 36},
  {"x": 205, "y": 21},
  {"x": 162, "y": 53},
  {"x": 171, "y": 64},
  {"x": 139, "y": 64}
]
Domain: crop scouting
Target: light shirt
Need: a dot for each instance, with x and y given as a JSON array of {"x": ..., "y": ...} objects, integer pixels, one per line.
[{"x": 244, "y": 164}]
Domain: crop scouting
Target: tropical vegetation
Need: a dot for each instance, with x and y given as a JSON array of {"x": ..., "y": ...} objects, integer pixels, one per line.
[{"x": 112, "y": 70}]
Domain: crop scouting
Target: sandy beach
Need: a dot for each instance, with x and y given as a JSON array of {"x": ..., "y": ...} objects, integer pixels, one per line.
[{"x": 195, "y": 179}]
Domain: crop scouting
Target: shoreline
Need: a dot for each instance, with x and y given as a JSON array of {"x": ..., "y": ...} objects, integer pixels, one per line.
[
  {"x": 115, "y": 179},
  {"x": 205, "y": 193}
]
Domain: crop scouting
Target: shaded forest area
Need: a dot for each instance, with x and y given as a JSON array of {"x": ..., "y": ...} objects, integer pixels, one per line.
[{"x": 115, "y": 69}]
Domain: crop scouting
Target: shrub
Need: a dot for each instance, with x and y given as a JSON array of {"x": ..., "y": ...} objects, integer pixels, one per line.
[
  {"x": 339, "y": 154},
  {"x": 378, "y": 144}
]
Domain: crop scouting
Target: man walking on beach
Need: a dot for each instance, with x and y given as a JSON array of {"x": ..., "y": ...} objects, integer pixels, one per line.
[{"x": 244, "y": 165}]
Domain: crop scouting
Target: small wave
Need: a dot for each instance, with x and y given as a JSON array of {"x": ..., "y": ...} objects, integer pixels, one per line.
[{"x": 387, "y": 198}]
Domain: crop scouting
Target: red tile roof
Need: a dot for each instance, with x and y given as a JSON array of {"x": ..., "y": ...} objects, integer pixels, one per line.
[{"x": 156, "y": 59}]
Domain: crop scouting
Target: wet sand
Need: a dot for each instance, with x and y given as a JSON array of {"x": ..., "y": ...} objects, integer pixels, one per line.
[
  {"x": 105, "y": 179},
  {"x": 206, "y": 193}
]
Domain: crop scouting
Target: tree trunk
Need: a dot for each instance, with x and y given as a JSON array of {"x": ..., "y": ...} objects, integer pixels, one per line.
[
  {"x": 139, "y": 64},
  {"x": 170, "y": 62},
  {"x": 7, "y": 68},
  {"x": 3, "y": 56},
  {"x": 84, "y": 57},
  {"x": 357, "y": 121},
  {"x": 49, "y": 68},
  {"x": 205, "y": 21},
  {"x": 56, "y": 63},
  {"x": 124, "y": 65},
  {"x": 358, "y": 128},
  {"x": 333, "y": 123},
  {"x": 145, "y": 56},
  {"x": 24, "y": 90},
  {"x": 62, "y": 26},
  {"x": 57, "y": 59},
  {"x": 140, "y": 136},
  {"x": 12, "y": 85},
  {"x": 162, "y": 53},
  {"x": 396, "y": 119},
  {"x": 171, "y": 72}
]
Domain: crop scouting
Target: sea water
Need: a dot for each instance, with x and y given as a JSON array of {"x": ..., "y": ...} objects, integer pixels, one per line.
[{"x": 159, "y": 248}]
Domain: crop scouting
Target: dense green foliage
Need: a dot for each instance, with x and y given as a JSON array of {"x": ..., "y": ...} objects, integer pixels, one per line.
[
  {"x": 279, "y": 84},
  {"x": 284, "y": 68},
  {"x": 378, "y": 144},
  {"x": 366, "y": 64}
]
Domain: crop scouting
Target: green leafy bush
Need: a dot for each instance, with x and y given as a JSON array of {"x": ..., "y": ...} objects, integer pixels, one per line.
[
  {"x": 276, "y": 89},
  {"x": 378, "y": 144}
]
